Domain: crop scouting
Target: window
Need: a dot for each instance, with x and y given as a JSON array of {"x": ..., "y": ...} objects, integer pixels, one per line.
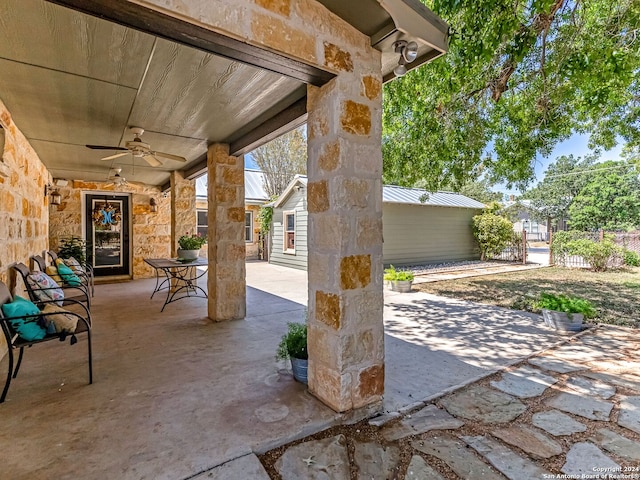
[
  {"x": 248, "y": 227},
  {"x": 289, "y": 227},
  {"x": 203, "y": 225}
]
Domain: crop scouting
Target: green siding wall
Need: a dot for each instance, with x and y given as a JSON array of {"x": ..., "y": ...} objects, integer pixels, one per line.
[
  {"x": 297, "y": 202},
  {"x": 424, "y": 234}
]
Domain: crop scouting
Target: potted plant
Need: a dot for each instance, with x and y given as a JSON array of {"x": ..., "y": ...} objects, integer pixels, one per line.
[
  {"x": 563, "y": 312},
  {"x": 190, "y": 246},
  {"x": 73, "y": 246},
  {"x": 398, "y": 280},
  {"x": 293, "y": 346}
]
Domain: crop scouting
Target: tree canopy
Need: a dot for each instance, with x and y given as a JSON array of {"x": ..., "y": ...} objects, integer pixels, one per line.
[
  {"x": 519, "y": 77},
  {"x": 610, "y": 199},
  {"x": 553, "y": 196},
  {"x": 281, "y": 159}
]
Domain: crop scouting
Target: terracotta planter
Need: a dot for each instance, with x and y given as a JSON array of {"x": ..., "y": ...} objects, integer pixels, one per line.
[
  {"x": 562, "y": 321},
  {"x": 188, "y": 254}
]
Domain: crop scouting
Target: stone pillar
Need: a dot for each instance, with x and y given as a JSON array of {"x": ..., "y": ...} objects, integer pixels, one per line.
[
  {"x": 345, "y": 329},
  {"x": 183, "y": 208},
  {"x": 226, "y": 248}
]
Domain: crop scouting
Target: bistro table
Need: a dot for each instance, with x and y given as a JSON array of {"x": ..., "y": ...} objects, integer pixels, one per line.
[{"x": 179, "y": 278}]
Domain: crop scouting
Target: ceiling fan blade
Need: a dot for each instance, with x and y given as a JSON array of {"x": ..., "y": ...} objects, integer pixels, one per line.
[
  {"x": 170, "y": 157},
  {"x": 111, "y": 157},
  {"x": 104, "y": 147},
  {"x": 151, "y": 160}
]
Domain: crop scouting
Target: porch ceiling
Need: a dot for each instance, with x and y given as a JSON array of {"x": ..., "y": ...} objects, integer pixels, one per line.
[{"x": 71, "y": 79}]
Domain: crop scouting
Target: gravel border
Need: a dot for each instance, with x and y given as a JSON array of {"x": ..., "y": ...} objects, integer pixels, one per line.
[{"x": 454, "y": 266}]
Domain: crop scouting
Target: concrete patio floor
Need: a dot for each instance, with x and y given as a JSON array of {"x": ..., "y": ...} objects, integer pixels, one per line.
[{"x": 175, "y": 394}]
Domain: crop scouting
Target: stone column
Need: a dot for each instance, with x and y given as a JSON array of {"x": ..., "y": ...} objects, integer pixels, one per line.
[
  {"x": 183, "y": 208},
  {"x": 226, "y": 248},
  {"x": 346, "y": 336}
]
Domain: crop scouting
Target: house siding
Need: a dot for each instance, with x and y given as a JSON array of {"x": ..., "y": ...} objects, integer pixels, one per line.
[
  {"x": 427, "y": 234},
  {"x": 297, "y": 202}
]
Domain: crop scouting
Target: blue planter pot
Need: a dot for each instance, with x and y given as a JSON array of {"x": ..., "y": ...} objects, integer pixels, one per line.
[{"x": 299, "y": 367}]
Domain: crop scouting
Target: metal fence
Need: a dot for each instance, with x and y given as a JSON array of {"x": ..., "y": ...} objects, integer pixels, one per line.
[
  {"x": 516, "y": 251},
  {"x": 625, "y": 240}
]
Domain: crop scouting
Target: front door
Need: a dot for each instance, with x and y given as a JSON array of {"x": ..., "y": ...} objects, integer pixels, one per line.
[{"x": 107, "y": 221}]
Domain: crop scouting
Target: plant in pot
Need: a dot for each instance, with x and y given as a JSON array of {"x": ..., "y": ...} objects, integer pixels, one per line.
[
  {"x": 293, "y": 346},
  {"x": 73, "y": 246},
  {"x": 398, "y": 280},
  {"x": 190, "y": 246},
  {"x": 563, "y": 312}
]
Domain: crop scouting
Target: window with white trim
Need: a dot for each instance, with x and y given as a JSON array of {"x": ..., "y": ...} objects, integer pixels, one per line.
[
  {"x": 289, "y": 228},
  {"x": 248, "y": 227},
  {"x": 202, "y": 226}
]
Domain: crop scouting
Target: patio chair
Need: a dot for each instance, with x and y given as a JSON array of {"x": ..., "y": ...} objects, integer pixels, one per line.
[
  {"x": 41, "y": 263},
  {"x": 87, "y": 270},
  {"x": 11, "y": 326},
  {"x": 73, "y": 295},
  {"x": 84, "y": 271}
]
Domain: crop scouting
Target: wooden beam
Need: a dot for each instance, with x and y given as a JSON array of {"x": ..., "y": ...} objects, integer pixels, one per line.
[
  {"x": 288, "y": 119},
  {"x": 282, "y": 122},
  {"x": 165, "y": 26}
]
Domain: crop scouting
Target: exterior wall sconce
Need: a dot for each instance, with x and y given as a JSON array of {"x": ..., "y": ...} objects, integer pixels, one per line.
[
  {"x": 153, "y": 206},
  {"x": 297, "y": 188},
  {"x": 408, "y": 52},
  {"x": 51, "y": 191}
]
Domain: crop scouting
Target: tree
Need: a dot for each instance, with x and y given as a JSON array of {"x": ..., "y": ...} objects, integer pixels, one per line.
[
  {"x": 610, "y": 199},
  {"x": 563, "y": 180},
  {"x": 479, "y": 190},
  {"x": 519, "y": 77},
  {"x": 281, "y": 159}
]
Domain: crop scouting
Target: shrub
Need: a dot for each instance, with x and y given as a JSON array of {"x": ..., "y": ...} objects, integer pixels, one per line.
[
  {"x": 598, "y": 254},
  {"x": 631, "y": 258},
  {"x": 294, "y": 342},
  {"x": 566, "y": 304},
  {"x": 492, "y": 232},
  {"x": 393, "y": 275}
]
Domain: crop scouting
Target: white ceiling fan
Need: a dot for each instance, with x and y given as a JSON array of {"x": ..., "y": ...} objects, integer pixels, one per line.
[
  {"x": 119, "y": 181},
  {"x": 138, "y": 149}
]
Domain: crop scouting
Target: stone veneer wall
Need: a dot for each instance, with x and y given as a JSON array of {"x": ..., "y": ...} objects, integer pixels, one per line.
[
  {"x": 183, "y": 209},
  {"x": 150, "y": 232},
  {"x": 24, "y": 229}
]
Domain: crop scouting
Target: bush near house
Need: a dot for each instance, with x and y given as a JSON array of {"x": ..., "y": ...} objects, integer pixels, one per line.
[{"x": 492, "y": 231}]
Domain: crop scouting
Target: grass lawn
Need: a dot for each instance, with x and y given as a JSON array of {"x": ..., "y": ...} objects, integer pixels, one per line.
[{"x": 615, "y": 294}]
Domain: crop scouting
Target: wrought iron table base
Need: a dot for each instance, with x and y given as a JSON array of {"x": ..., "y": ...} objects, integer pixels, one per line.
[{"x": 180, "y": 279}]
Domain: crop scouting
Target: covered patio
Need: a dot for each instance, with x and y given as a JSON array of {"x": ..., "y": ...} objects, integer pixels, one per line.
[
  {"x": 160, "y": 92},
  {"x": 169, "y": 403}
]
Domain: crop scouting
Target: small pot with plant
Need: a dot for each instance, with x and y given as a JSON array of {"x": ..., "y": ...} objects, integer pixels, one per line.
[
  {"x": 293, "y": 346},
  {"x": 190, "y": 246},
  {"x": 563, "y": 312},
  {"x": 398, "y": 280}
]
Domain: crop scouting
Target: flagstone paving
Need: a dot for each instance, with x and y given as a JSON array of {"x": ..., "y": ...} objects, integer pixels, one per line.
[
  {"x": 570, "y": 411},
  {"x": 557, "y": 423},
  {"x": 524, "y": 382}
]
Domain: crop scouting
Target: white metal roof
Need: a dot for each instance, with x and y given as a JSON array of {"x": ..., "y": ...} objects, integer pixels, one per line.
[
  {"x": 253, "y": 187},
  {"x": 395, "y": 194}
]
